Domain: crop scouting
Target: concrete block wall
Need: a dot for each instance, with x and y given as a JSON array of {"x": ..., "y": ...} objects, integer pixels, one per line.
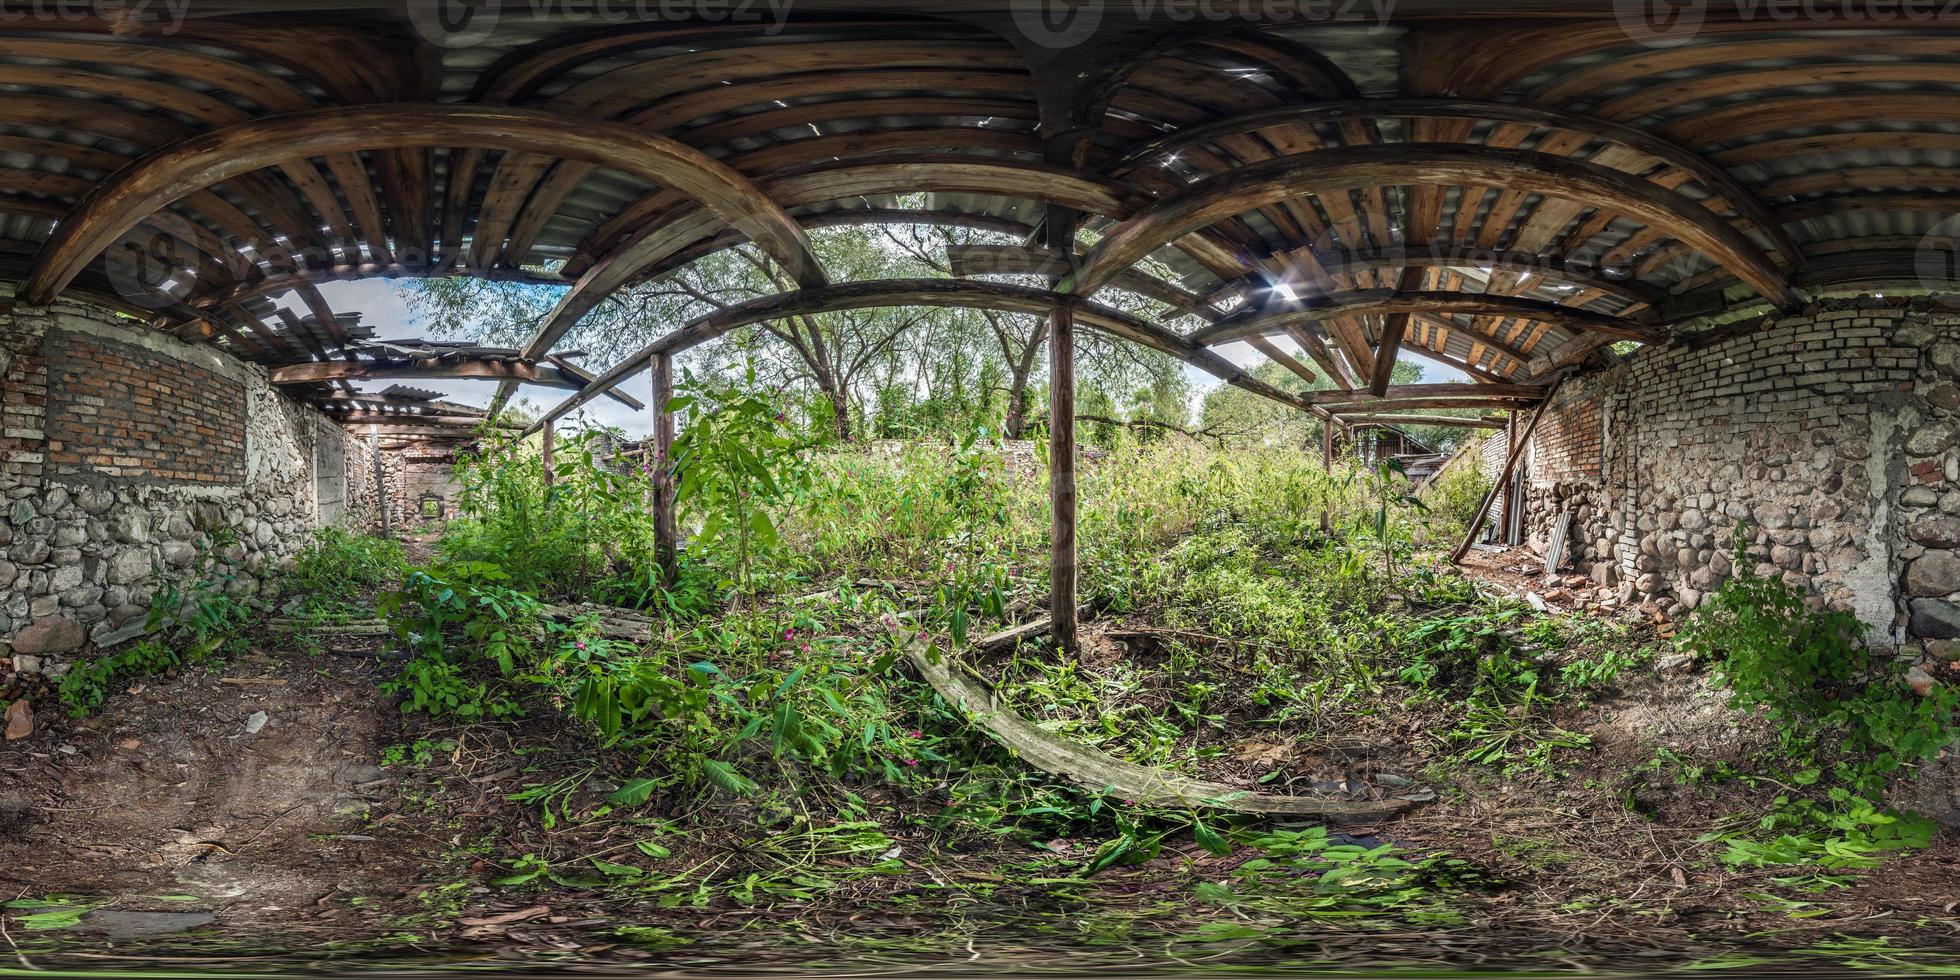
[
  {"x": 126, "y": 455},
  {"x": 1827, "y": 438}
]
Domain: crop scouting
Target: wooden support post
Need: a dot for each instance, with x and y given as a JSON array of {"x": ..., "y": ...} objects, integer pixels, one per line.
[
  {"x": 666, "y": 529},
  {"x": 1057, "y": 233},
  {"x": 1504, "y": 477},
  {"x": 380, "y": 482},
  {"x": 1327, "y": 444},
  {"x": 1061, "y": 475},
  {"x": 548, "y": 435}
]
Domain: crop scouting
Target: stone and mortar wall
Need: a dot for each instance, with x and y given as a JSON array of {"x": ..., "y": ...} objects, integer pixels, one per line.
[
  {"x": 1828, "y": 438},
  {"x": 125, "y": 455},
  {"x": 416, "y": 473}
]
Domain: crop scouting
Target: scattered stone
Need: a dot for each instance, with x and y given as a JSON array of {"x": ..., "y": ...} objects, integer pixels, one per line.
[
  {"x": 20, "y": 720},
  {"x": 1677, "y": 665},
  {"x": 26, "y": 664},
  {"x": 1921, "y": 682},
  {"x": 254, "y": 721}
]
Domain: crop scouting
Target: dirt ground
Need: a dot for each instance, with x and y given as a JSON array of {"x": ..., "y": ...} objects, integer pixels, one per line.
[
  {"x": 241, "y": 796},
  {"x": 247, "y": 801}
]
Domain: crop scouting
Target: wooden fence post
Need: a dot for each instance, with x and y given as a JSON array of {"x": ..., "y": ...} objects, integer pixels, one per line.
[{"x": 666, "y": 529}]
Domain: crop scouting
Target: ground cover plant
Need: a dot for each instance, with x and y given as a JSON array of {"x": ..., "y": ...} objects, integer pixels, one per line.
[
  {"x": 1255, "y": 619},
  {"x": 748, "y": 737}
]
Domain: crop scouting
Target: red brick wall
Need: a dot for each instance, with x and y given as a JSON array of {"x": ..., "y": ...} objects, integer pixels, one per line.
[
  {"x": 122, "y": 411},
  {"x": 1568, "y": 440}
]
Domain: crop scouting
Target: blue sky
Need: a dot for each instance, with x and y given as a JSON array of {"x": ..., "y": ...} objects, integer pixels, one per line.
[{"x": 382, "y": 304}]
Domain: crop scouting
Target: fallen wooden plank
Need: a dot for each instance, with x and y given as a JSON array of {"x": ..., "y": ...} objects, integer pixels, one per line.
[
  {"x": 1097, "y": 771},
  {"x": 1009, "y": 637}
]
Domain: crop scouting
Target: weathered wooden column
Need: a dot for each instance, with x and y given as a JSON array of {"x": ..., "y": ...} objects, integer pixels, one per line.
[
  {"x": 1058, "y": 233},
  {"x": 547, "y": 436},
  {"x": 666, "y": 530},
  {"x": 1061, "y": 474}
]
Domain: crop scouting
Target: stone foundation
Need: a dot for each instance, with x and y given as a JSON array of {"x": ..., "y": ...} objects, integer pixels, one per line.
[
  {"x": 126, "y": 456},
  {"x": 1826, "y": 439}
]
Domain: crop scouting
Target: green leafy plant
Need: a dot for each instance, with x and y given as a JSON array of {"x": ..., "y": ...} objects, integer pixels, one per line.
[
  {"x": 337, "y": 564},
  {"x": 737, "y": 463},
  {"x": 452, "y": 619},
  {"x": 1841, "y": 709},
  {"x": 89, "y": 682}
]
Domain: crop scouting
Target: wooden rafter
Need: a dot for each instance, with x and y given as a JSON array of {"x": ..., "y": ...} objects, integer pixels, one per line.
[
  {"x": 1335, "y": 170},
  {"x": 1379, "y": 302},
  {"x": 146, "y": 186}
]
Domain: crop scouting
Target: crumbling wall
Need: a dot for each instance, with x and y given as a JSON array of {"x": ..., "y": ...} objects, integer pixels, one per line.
[
  {"x": 422, "y": 487},
  {"x": 130, "y": 460},
  {"x": 1827, "y": 438}
]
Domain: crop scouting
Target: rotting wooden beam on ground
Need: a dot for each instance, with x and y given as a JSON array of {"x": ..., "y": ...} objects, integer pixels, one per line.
[{"x": 1100, "y": 772}]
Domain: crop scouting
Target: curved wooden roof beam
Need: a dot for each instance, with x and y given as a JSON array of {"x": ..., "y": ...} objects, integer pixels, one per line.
[
  {"x": 1757, "y": 117},
  {"x": 1614, "y": 72},
  {"x": 207, "y": 110},
  {"x": 1586, "y": 276},
  {"x": 1236, "y": 192},
  {"x": 982, "y": 260},
  {"x": 825, "y": 182},
  {"x": 1670, "y": 153},
  {"x": 167, "y": 175},
  {"x": 632, "y": 87},
  {"x": 1477, "y": 62},
  {"x": 1381, "y": 302},
  {"x": 962, "y": 293},
  {"x": 528, "y": 190}
]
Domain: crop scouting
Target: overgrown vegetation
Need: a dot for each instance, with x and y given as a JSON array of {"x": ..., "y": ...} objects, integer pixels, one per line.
[
  {"x": 749, "y": 732},
  {"x": 1845, "y": 720}
]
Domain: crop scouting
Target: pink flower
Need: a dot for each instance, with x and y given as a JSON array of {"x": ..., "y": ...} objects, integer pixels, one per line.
[
  {"x": 789, "y": 634},
  {"x": 911, "y": 762},
  {"x": 580, "y": 645},
  {"x": 805, "y": 647},
  {"x": 923, "y": 635}
]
